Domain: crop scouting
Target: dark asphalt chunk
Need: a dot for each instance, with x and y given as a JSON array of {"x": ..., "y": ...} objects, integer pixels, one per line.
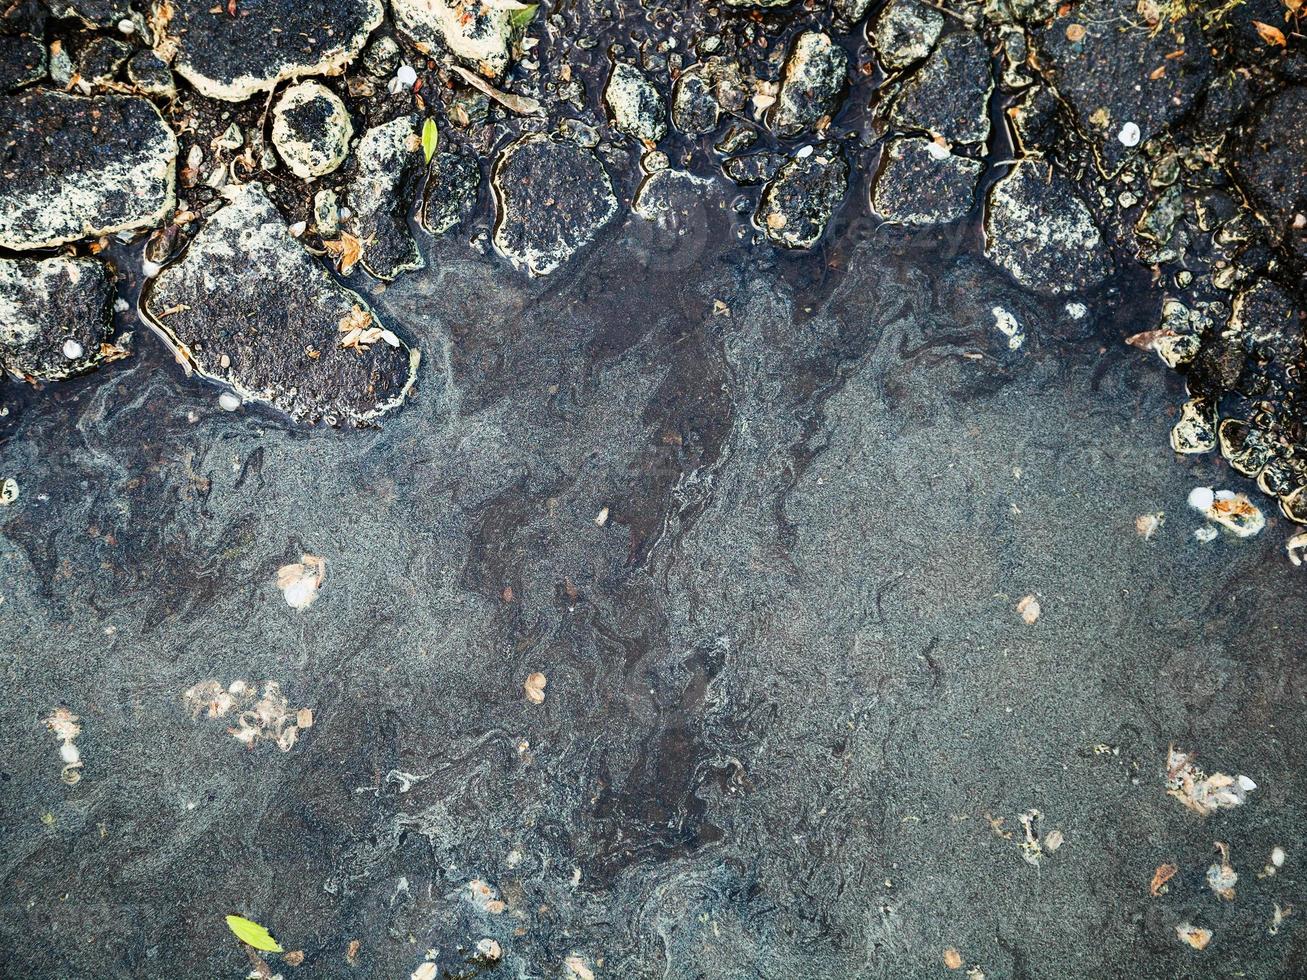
[
  {"x": 232, "y": 58},
  {"x": 798, "y": 203},
  {"x": 451, "y": 190},
  {"x": 73, "y": 167},
  {"x": 812, "y": 83},
  {"x": 922, "y": 183},
  {"x": 949, "y": 94},
  {"x": 552, "y": 197},
  {"x": 55, "y": 317},
  {"x": 390, "y": 162},
  {"x": 248, "y": 306},
  {"x": 22, "y": 61}
]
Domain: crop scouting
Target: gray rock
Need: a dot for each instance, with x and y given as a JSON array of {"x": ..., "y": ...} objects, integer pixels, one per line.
[
  {"x": 75, "y": 167},
  {"x": 923, "y": 184},
  {"x": 326, "y": 214},
  {"x": 311, "y": 129},
  {"x": 55, "y": 317},
  {"x": 477, "y": 32},
  {"x": 451, "y": 192},
  {"x": 756, "y": 168},
  {"x": 949, "y": 94},
  {"x": 695, "y": 110},
  {"x": 906, "y": 32},
  {"x": 1103, "y": 74},
  {"x": 851, "y": 11},
  {"x": 233, "y": 58},
  {"x": 1041, "y": 232},
  {"x": 22, "y": 62},
  {"x": 811, "y": 85},
  {"x": 552, "y": 197},
  {"x": 246, "y": 305},
  {"x": 798, "y": 203},
  {"x": 389, "y": 164},
  {"x": 150, "y": 76},
  {"x": 634, "y": 105}
]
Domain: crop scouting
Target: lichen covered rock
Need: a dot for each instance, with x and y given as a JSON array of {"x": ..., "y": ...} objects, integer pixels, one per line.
[
  {"x": 797, "y": 204},
  {"x": 922, "y": 183},
  {"x": 311, "y": 129},
  {"x": 1041, "y": 232},
  {"x": 233, "y": 58},
  {"x": 477, "y": 32},
  {"x": 634, "y": 105},
  {"x": 906, "y": 32},
  {"x": 389, "y": 163},
  {"x": 73, "y": 167},
  {"x": 552, "y": 197},
  {"x": 949, "y": 94},
  {"x": 246, "y": 305},
  {"x": 811, "y": 84},
  {"x": 55, "y": 317}
]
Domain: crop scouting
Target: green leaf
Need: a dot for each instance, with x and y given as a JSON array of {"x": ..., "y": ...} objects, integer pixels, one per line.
[
  {"x": 253, "y": 934},
  {"x": 430, "y": 137},
  {"x": 522, "y": 16}
]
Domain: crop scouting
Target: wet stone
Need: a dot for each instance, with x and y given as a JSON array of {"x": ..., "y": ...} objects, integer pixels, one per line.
[
  {"x": 634, "y": 105},
  {"x": 246, "y": 305},
  {"x": 694, "y": 103},
  {"x": 949, "y": 94},
  {"x": 552, "y": 198},
  {"x": 1038, "y": 121},
  {"x": 1041, "y": 232},
  {"x": 1100, "y": 63},
  {"x": 756, "y": 168},
  {"x": 906, "y": 32},
  {"x": 55, "y": 316},
  {"x": 922, "y": 183},
  {"x": 73, "y": 167},
  {"x": 1271, "y": 166},
  {"x": 233, "y": 58},
  {"x": 22, "y": 61},
  {"x": 452, "y": 185},
  {"x": 851, "y": 11},
  {"x": 797, "y": 204},
  {"x": 813, "y": 80},
  {"x": 389, "y": 164},
  {"x": 477, "y": 32},
  {"x": 92, "y": 13},
  {"x": 150, "y": 76},
  {"x": 667, "y": 194},
  {"x": 311, "y": 130}
]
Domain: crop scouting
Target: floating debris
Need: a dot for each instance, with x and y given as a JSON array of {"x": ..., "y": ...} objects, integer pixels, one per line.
[
  {"x": 258, "y": 718},
  {"x": 1296, "y": 547},
  {"x": 952, "y": 959},
  {"x": 489, "y": 949},
  {"x": 535, "y": 688},
  {"x": 577, "y": 967},
  {"x": 1221, "y": 876},
  {"x": 1147, "y": 525},
  {"x": 300, "y": 581},
  {"x": 64, "y": 724},
  {"x": 8, "y": 491},
  {"x": 1163, "y": 874},
  {"x": 1277, "y": 918},
  {"x": 485, "y": 897},
  {"x": 1029, "y": 609},
  {"x": 1232, "y": 511},
  {"x": 1195, "y": 936},
  {"x": 1200, "y": 792}
]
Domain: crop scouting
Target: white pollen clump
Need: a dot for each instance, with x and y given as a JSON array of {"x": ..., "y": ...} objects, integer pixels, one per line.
[{"x": 1129, "y": 135}]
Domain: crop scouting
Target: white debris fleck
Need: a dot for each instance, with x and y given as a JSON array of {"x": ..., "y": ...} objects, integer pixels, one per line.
[
  {"x": 1232, "y": 511},
  {"x": 577, "y": 967},
  {"x": 1202, "y": 498},
  {"x": 1277, "y": 857},
  {"x": 406, "y": 76},
  {"x": 1077, "y": 311},
  {"x": 425, "y": 971},
  {"x": 126, "y": 26},
  {"x": 1205, "y": 533},
  {"x": 1029, "y": 609},
  {"x": 1129, "y": 135},
  {"x": 1277, "y": 918},
  {"x": 229, "y": 401},
  {"x": 1009, "y": 327},
  {"x": 1195, "y": 936},
  {"x": 8, "y": 491},
  {"x": 258, "y": 717},
  {"x": 535, "y": 687},
  {"x": 602, "y": 517},
  {"x": 72, "y": 349},
  {"x": 1147, "y": 525},
  {"x": 1296, "y": 547},
  {"x": 489, "y": 948},
  {"x": 64, "y": 725},
  {"x": 300, "y": 581},
  {"x": 1200, "y": 792},
  {"x": 1221, "y": 876}
]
